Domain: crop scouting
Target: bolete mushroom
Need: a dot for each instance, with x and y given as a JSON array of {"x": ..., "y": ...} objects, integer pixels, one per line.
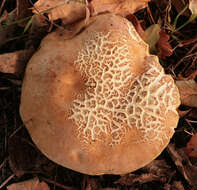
[{"x": 99, "y": 103}]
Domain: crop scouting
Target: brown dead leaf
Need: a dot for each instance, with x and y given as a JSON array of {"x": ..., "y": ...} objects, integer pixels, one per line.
[
  {"x": 136, "y": 23},
  {"x": 191, "y": 148},
  {"x": 120, "y": 7},
  {"x": 14, "y": 62},
  {"x": 157, "y": 39},
  {"x": 163, "y": 45},
  {"x": 188, "y": 92},
  {"x": 183, "y": 164},
  {"x": 33, "y": 184},
  {"x": 193, "y": 6},
  {"x": 73, "y": 29},
  {"x": 68, "y": 12}
]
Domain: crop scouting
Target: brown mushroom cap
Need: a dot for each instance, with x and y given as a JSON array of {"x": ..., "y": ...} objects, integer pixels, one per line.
[{"x": 99, "y": 103}]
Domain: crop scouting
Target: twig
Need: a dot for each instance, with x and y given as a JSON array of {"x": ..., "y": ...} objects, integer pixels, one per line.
[
  {"x": 2, "y": 5},
  {"x": 6, "y": 181},
  {"x": 187, "y": 54},
  {"x": 150, "y": 14},
  {"x": 3, "y": 163}
]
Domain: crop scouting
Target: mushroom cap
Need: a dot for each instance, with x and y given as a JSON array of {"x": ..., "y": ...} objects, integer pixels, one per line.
[{"x": 99, "y": 103}]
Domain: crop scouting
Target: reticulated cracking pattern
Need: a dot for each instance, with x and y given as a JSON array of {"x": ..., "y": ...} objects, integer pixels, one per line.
[{"x": 114, "y": 102}]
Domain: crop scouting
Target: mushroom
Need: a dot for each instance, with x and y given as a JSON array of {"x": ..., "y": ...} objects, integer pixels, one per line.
[{"x": 99, "y": 103}]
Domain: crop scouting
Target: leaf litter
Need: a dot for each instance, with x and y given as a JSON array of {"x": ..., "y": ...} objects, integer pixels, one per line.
[{"x": 22, "y": 29}]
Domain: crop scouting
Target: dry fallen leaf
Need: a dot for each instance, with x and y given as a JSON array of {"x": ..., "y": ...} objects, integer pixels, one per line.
[
  {"x": 193, "y": 6},
  {"x": 191, "y": 148},
  {"x": 67, "y": 11},
  {"x": 14, "y": 62},
  {"x": 120, "y": 7},
  {"x": 33, "y": 184},
  {"x": 188, "y": 92},
  {"x": 157, "y": 39},
  {"x": 163, "y": 45}
]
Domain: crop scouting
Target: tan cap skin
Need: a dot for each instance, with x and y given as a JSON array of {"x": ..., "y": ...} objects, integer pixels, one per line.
[{"x": 99, "y": 103}]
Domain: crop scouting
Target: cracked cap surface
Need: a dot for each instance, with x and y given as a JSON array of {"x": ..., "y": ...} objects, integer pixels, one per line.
[{"x": 99, "y": 103}]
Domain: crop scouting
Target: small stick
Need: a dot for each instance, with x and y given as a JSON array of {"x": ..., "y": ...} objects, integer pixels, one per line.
[
  {"x": 6, "y": 181},
  {"x": 2, "y": 5}
]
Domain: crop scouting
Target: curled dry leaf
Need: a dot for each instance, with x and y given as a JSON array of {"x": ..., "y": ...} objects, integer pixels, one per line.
[
  {"x": 33, "y": 184},
  {"x": 157, "y": 40},
  {"x": 188, "y": 92},
  {"x": 193, "y": 6},
  {"x": 191, "y": 148},
  {"x": 163, "y": 45},
  {"x": 120, "y": 7},
  {"x": 68, "y": 12}
]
